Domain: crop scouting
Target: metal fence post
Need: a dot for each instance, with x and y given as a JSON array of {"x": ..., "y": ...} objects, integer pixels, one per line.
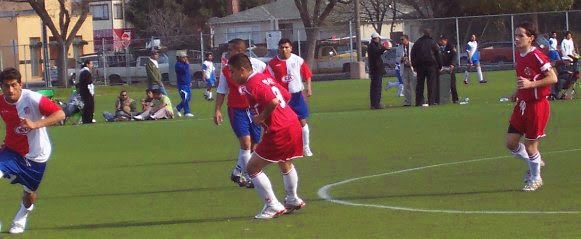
[
  {"x": 351, "y": 39},
  {"x": 458, "y": 41},
  {"x": 25, "y": 68},
  {"x": 567, "y": 20},
  {"x": 512, "y": 36}
]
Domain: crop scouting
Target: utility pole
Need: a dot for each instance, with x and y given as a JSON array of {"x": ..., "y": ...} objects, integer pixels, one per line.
[{"x": 358, "y": 29}]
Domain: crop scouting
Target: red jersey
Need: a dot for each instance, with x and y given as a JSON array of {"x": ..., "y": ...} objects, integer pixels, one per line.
[
  {"x": 290, "y": 72},
  {"x": 282, "y": 139},
  {"x": 260, "y": 90},
  {"x": 32, "y": 144},
  {"x": 533, "y": 65},
  {"x": 227, "y": 85}
]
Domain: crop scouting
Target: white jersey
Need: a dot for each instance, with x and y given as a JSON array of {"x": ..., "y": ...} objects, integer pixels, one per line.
[
  {"x": 208, "y": 68},
  {"x": 552, "y": 44},
  {"x": 471, "y": 47},
  {"x": 290, "y": 72},
  {"x": 257, "y": 66}
]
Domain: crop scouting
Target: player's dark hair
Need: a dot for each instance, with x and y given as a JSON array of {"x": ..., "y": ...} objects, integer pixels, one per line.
[
  {"x": 209, "y": 54},
  {"x": 405, "y": 36},
  {"x": 238, "y": 43},
  {"x": 568, "y": 32},
  {"x": 10, "y": 73},
  {"x": 284, "y": 41},
  {"x": 156, "y": 91},
  {"x": 240, "y": 61},
  {"x": 85, "y": 63},
  {"x": 148, "y": 90},
  {"x": 530, "y": 30},
  {"x": 553, "y": 33}
]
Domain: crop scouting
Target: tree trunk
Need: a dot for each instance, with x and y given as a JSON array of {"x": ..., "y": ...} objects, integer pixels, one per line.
[
  {"x": 311, "y": 45},
  {"x": 61, "y": 62}
]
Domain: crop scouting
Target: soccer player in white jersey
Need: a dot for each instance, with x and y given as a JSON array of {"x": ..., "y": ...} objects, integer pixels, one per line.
[
  {"x": 568, "y": 47},
  {"x": 473, "y": 60},
  {"x": 290, "y": 70},
  {"x": 553, "y": 48},
  {"x": 247, "y": 132},
  {"x": 209, "y": 75},
  {"x": 26, "y": 147}
]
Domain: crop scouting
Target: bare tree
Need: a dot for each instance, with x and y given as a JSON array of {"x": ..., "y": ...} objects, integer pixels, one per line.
[
  {"x": 375, "y": 12},
  {"x": 61, "y": 30},
  {"x": 314, "y": 19},
  {"x": 173, "y": 27}
]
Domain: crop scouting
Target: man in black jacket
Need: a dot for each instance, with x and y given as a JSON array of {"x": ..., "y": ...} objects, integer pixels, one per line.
[
  {"x": 87, "y": 91},
  {"x": 426, "y": 60},
  {"x": 376, "y": 70},
  {"x": 449, "y": 55}
]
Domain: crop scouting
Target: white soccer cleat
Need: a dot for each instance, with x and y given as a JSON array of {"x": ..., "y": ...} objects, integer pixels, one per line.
[
  {"x": 533, "y": 185},
  {"x": 17, "y": 228},
  {"x": 271, "y": 211},
  {"x": 179, "y": 114},
  {"x": 189, "y": 115},
  {"x": 138, "y": 117},
  {"x": 293, "y": 204},
  {"x": 307, "y": 151}
]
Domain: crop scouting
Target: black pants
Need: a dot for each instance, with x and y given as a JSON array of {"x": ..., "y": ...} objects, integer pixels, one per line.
[
  {"x": 453, "y": 89},
  {"x": 429, "y": 75},
  {"x": 375, "y": 89},
  {"x": 89, "y": 108}
]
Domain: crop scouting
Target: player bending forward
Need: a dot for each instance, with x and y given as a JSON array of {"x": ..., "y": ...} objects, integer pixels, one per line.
[
  {"x": 26, "y": 146},
  {"x": 282, "y": 139},
  {"x": 531, "y": 112}
]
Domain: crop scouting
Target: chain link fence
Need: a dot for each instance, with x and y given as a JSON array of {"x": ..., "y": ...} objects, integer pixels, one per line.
[{"x": 122, "y": 61}]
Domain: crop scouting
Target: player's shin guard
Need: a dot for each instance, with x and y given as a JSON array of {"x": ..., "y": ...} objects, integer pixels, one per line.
[
  {"x": 264, "y": 188},
  {"x": 306, "y": 135},
  {"x": 479, "y": 71},
  {"x": 466, "y": 75},
  {"x": 535, "y": 165},
  {"x": 243, "y": 158},
  {"x": 291, "y": 182},
  {"x": 521, "y": 153}
]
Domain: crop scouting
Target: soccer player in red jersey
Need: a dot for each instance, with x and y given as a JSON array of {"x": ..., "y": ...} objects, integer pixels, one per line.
[
  {"x": 248, "y": 133},
  {"x": 531, "y": 112},
  {"x": 281, "y": 141},
  {"x": 290, "y": 70},
  {"x": 26, "y": 147}
]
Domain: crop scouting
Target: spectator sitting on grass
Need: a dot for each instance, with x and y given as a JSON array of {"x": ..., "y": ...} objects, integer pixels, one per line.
[
  {"x": 146, "y": 102},
  {"x": 161, "y": 108},
  {"x": 125, "y": 109}
]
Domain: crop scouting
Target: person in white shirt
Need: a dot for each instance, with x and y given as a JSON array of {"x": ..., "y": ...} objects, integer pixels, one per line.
[
  {"x": 473, "y": 60},
  {"x": 553, "y": 48},
  {"x": 209, "y": 75},
  {"x": 568, "y": 47}
]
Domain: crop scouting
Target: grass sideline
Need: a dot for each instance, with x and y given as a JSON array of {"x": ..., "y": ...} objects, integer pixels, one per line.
[{"x": 169, "y": 179}]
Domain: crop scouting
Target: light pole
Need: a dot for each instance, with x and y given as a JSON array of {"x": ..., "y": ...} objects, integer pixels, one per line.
[{"x": 358, "y": 29}]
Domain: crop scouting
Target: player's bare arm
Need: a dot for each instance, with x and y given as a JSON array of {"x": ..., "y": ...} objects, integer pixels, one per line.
[
  {"x": 218, "y": 109},
  {"x": 309, "y": 90},
  {"x": 268, "y": 109},
  {"x": 52, "y": 119},
  {"x": 549, "y": 79}
]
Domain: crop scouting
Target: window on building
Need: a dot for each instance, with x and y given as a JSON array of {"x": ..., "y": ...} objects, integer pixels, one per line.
[
  {"x": 118, "y": 11},
  {"x": 100, "y": 12}
]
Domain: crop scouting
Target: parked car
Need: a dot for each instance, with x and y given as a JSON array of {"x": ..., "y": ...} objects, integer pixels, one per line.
[{"x": 496, "y": 52}]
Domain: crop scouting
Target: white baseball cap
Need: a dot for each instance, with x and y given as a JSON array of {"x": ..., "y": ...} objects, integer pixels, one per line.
[{"x": 374, "y": 35}]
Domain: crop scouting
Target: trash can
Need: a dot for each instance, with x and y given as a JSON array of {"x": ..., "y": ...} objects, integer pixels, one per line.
[{"x": 445, "y": 85}]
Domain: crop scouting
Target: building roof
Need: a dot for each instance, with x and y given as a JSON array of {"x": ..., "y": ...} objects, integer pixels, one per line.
[
  {"x": 4, "y": 14},
  {"x": 281, "y": 10}
]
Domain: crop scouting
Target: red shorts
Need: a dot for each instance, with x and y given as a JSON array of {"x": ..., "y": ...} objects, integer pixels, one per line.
[
  {"x": 530, "y": 118},
  {"x": 281, "y": 145}
]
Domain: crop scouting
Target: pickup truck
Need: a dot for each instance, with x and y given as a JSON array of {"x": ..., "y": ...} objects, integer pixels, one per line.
[{"x": 117, "y": 71}]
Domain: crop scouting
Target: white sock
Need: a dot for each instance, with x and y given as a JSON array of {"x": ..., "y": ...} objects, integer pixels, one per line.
[
  {"x": 291, "y": 183},
  {"x": 209, "y": 94},
  {"x": 466, "y": 75},
  {"x": 521, "y": 153},
  {"x": 479, "y": 70},
  {"x": 243, "y": 158},
  {"x": 306, "y": 135},
  {"x": 22, "y": 214},
  {"x": 264, "y": 188},
  {"x": 535, "y": 165}
]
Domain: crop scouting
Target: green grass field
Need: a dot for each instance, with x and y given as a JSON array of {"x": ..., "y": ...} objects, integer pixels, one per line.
[{"x": 170, "y": 179}]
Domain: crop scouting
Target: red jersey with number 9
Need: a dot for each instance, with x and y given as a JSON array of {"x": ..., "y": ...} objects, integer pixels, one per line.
[{"x": 282, "y": 139}]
